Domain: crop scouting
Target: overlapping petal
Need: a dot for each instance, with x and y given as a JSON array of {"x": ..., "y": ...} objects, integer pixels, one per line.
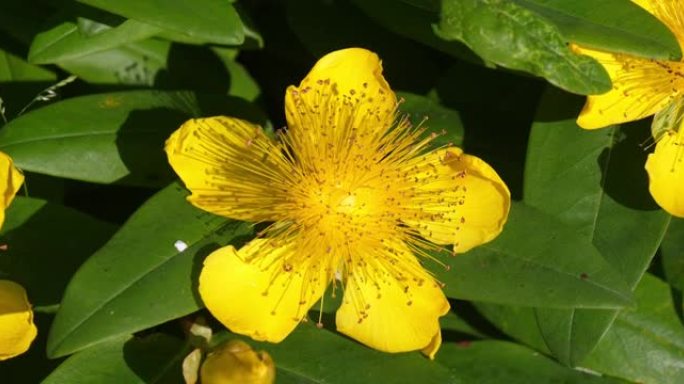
[
  {"x": 467, "y": 200},
  {"x": 17, "y": 330},
  {"x": 390, "y": 314},
  {"x": 231, "y": 167},
  {"x": 255, "y": 292},
  {"x": 665, "y": 167},
  {"x": 641, "y": 87}
]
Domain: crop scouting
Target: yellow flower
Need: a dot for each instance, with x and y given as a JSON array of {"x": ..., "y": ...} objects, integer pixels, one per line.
[
  {"x": 235, "y": 362},
  {"x": 17, "y": 330},
  {"x": 641, "y": 88},
  {"x": 352, "y": 196}
]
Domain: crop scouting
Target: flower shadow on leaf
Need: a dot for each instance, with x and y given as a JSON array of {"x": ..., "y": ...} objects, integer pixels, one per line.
[
  {"x": 155, "y": 358},
  {"x": 182, "y": 64},
  {"x": 45, "y": 275},
  {"x": 622, "y": 168}
]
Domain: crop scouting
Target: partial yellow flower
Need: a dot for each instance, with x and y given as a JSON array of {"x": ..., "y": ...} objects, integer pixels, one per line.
[
  {"x": 355, "y": 198},
  {"x": 235, "y": 362},
  {"x": 641, "y": 88},
  {"x": 17, "y": 330},
  {"x": 10, "y": 182}
]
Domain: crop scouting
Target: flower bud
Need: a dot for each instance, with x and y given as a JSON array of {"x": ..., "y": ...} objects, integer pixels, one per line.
[{"x": 235, "y": 362}]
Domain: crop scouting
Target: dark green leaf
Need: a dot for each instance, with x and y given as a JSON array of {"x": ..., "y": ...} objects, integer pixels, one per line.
[
  {"x": 46, "y": 243},
  {"x": 513, "y": 37},
  {"x": 444, "y": 122},
  {"x": 497, "y": 362},
  {"x": 209, "y": 21},
  {"x": 320, "y": 353},
  {"x": 323, "y": 26},
  {"x": 65, "y": 41},
  {"x": 584, "y": 178},
  {"x": 414, "y": 22},
  {"x": 113, "y": 137},
  {"x": 672, "y": 253},
  {"x": 535, "y": 261},
  {"x": 140, "y": 278},
  {"x": 518, "y": 322},
  {"x": 645, "y": 345},
  {"x": 611, "y": 25},
  {"x": 153, "y": 359}
]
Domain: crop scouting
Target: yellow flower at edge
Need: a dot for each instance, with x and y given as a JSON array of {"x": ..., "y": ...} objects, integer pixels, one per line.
[
  {"x": 355, "y": 201},
  {"x": 17, "y": 330},
  {"x": 641, "y": 88},
  {"x": 235, "y": 362}
]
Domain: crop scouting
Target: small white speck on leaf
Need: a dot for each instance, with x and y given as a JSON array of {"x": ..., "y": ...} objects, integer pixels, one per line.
[{"x": 180, "y": 245}]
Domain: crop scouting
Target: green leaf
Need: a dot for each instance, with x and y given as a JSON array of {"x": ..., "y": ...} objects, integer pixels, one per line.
[
  {"x": 592, "y": 181},
  {"x": 496, "y": 362},
  {"x": 112, "y": 137},
  {"x": 672, "y": 254},
  {"x": 513, "y": 37},
  {"x": 518, "y": 322},
  {"x": 324, "y": 26},
  {"x": 444, "y": 122},
  {"x": 140, "y": 278},
  {"x": 65, "y": 41},
  {"x": 71, "y": 237},
  {"x": 535, "y": 261},
  {"x": 138, "y": 63},
  {"x": 152, "y": 359},
  {"x": 319, "y": 354},
  {"x": 241, "y": 82},
  {"x": 209, "y": 21},
  {"x": 610, "y": 25},
  {"x": 413, "y": 22},
  {"x": 645, "y": 345},
  {"x": 14, "y": 68}
]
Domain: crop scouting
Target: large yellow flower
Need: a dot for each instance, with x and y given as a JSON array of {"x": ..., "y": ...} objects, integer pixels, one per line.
[
  {"x": 17, "y": 330},
  {"x": 352, "y": 196},
  {"x": 641, "y": 88}
]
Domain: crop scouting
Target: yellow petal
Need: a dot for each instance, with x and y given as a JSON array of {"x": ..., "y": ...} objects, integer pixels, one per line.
[
  {"x": 666, "y": 173},
  {"x": 10, "y": 182},
  {"x": 235, "y": 362},
  {"x": 467, "y": 201},
  {"x": 641, "y": 87},
  {"x": 390, "y": 314},
  {"x": 431, "y": 349},
  {"x": 255, "y": 292},
  {"x": 17, "y": 330},
  {"x": 344, "y": 87},
  {"x": 231, "y": 167}
]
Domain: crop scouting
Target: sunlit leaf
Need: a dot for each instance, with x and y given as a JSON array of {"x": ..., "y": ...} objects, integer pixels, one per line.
[{"x": 508, "y": 35}]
